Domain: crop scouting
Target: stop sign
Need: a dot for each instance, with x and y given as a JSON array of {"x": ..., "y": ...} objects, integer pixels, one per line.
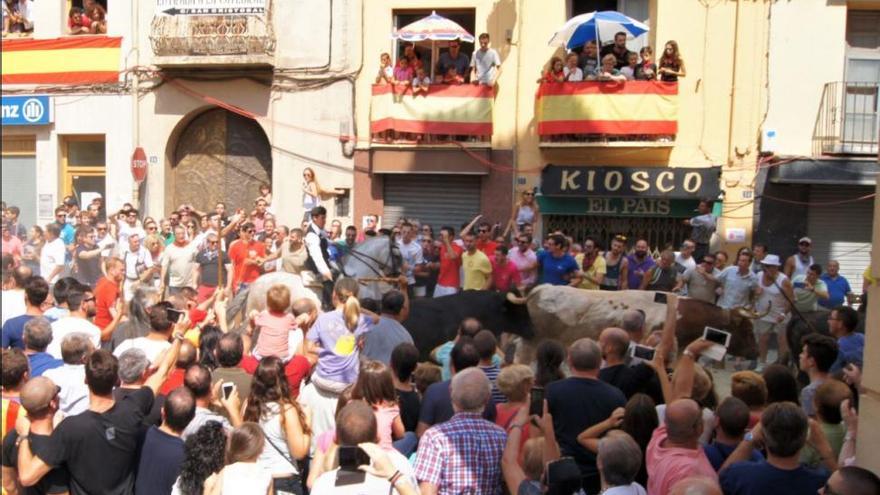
[{"x": 139, "y": 165}]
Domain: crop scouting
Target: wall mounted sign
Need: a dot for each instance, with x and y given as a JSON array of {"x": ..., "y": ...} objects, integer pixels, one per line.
[
  {"x": 659, "y": 182},
  {"x": 211, "y": 7},
  {"x": 27, "y": 110}
]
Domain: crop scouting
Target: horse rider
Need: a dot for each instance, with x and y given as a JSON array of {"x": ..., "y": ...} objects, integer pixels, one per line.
[{"x": 319, "y": 257}]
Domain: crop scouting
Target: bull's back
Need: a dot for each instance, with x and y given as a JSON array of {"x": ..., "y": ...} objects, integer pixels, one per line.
[{"x": 567, "y": 313}]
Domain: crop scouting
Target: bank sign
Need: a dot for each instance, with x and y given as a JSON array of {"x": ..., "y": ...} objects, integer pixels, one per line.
[
  {"x": 622, "y": 182},
  {"x": 27, "y": 110}
]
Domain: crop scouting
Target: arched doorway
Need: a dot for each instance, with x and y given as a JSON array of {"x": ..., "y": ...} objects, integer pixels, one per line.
[{"x": 221, "y": 156}]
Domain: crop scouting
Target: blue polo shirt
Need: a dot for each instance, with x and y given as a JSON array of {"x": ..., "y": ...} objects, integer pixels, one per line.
[
  {"x": 554, "y": 269},
  {"x": 838, "y": 288},
  {"x": 13, "y": 332}
]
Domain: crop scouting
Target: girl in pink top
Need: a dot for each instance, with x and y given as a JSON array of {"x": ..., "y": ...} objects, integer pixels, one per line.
[
  {"x": 279, "y": 331},
  {"x": 376, "y": 387}
]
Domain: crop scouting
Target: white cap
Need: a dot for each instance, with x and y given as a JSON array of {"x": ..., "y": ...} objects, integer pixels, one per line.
[
  {"x": 805, "y": 239},
  {"x": 771, "y": 260}
]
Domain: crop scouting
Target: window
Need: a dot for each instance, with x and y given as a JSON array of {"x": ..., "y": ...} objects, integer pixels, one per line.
[
  {"x": 83, "y": 167},
  {"x": 427, "y": 51},
  {"x": 343, "y": 204},
  {"x": 862, "y": 97},
  {"x": 637, "y": 9},
  {"x": 86, "y": 17}
]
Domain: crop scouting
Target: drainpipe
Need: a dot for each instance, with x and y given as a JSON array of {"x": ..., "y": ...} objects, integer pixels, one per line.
[
  {"x": 731, "y": 151},
  {"x": 135, "y": 85}
]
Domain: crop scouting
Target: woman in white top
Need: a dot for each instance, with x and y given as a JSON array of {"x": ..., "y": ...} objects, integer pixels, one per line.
[
  {"x": 242, "y": 474},
  {"x": 283, "y": 423},
  {"x": 313, "y": 193},
  {"x": 775, "y": 292},
  {"x": 525, "y": 212}
]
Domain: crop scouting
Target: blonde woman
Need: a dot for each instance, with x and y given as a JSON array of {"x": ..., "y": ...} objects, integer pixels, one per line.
[
  {"x": 525, "y": 213},
  {"x": 313, "y": 193}
]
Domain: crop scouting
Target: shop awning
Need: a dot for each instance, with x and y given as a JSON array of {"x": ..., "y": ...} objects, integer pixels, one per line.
[
  {"x": 842, "y": 171},
  {"x": 458, "y": 110},
  {"x": 627, "y": 108},
  {"x": 70, "y": 60}
]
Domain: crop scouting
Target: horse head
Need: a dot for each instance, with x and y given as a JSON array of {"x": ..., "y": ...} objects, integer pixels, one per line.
[{"x": 373, "y": 259}]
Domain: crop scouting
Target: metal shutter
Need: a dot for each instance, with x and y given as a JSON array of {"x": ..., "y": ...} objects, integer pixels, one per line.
[
  {"x": 19, "y": 185},
  {"x": 433, "y": 199},
  {"x": 842, "y": 232}
]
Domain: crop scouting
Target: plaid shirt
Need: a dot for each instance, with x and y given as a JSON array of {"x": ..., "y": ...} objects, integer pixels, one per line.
[{"x": 462, "y": 456}]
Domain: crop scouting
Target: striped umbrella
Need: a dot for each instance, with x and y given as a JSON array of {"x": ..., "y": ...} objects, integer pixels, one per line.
[
  {"x": 435, "y": 28},
  {"x": 596, "y": 26}
]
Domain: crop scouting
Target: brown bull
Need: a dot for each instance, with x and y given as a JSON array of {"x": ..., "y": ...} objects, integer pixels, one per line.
[{"x": 567, "y": 314}]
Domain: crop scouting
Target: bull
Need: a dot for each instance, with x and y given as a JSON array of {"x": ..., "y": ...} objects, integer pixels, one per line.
[
  {"x": 432, "y": 322},
  {"x": 567, "y": 314}
]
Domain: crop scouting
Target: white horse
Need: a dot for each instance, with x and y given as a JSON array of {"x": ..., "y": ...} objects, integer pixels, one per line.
[{"x": 372, "y": 261}]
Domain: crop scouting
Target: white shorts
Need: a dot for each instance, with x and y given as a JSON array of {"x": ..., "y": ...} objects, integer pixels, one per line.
[{"x": 442, "y": 290}]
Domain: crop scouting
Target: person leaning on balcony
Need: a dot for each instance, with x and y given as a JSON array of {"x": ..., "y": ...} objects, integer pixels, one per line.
[
  {"x": 618, "y": 49},
  {"x": 453, "y": 58},
  {"x": 554, "y": 72},
  {"x": 78, "y": 22},
  {"x": 485, "y": 63},
  {"x": 386, "y": 71},
  {"x": 607, "y": 72},
  {"x": 573, "y": 73},
  {"x": 671, "y": 64}
]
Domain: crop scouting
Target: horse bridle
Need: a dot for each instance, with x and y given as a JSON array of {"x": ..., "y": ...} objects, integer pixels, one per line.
[{"x": 363, "y": 257}]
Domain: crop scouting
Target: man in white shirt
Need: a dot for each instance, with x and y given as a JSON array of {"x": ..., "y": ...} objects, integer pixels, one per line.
[
  {"x": 52, "y": 256},
  {"x": 128, "y": 228},
  {"x": 138, "y": 265},
  {"x": 105, "y": 241},
  {"x": 71, "y": 376},
  {"x": 82, "y": 307},
  {"x": 12, "y": 299},
  {"x": 355, "y": 426},
  {"x": 485, "y": 63},
  {"x": 411, "y": 252},
  {"x": 157, "y": 341},
  {"x": 177, "y": 262}
]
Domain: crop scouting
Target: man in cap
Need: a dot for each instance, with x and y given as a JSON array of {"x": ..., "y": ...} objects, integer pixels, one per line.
[
  {"x": 800, "y": 262},
  {"x": 39, "y": 397},
  {"x": 774, "y": 293}
]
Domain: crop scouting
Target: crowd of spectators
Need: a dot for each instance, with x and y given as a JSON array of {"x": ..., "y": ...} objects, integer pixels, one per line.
[
  {"x": 124, "y": 373},
  {"x": 18, "y": 18}
]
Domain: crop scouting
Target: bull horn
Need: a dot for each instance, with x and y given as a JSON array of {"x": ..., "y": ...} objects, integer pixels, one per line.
[
  {"x": 752, "y": 314},
  {"x": 514, "y": 299}
]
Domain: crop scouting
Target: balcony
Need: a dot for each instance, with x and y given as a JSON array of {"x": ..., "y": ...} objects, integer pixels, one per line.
[
  {"x": 607, "y": 114},
  {"x": 213, "y": 40},
  {"x": 848, "y": 122},
  {"x": 444, "y": 116}
]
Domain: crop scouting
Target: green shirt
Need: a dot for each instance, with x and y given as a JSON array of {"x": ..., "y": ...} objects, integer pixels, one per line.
[{"x": 834, "y": 434}]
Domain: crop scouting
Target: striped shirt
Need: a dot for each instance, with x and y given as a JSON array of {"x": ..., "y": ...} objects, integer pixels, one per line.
[
  {"x": 462, "y": 455},
  {"x": 492, "y": 374}
]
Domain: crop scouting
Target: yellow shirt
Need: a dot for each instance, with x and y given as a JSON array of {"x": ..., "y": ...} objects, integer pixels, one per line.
[
  {"x": 599, "y": 268},
  {"x": 477, "y": 270},
  {"x": 867, "y": 276}
]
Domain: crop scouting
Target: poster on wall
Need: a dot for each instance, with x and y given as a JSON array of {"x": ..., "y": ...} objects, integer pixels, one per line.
[{"x": 210, "y": 7}]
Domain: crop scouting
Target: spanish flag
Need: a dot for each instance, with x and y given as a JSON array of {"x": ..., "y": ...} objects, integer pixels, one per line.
[
  {"x": 616, "y": 108},
  {"x": 461, "y": 110},
  {"x": 69, "y": 60}
]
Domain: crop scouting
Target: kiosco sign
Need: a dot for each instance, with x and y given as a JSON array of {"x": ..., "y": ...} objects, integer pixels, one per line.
[
  {"x": 27, "y": 110},
  {"x": 660, "y": 182}
]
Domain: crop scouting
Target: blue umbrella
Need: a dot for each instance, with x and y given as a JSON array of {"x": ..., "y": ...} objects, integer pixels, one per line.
[{"x": 596, "y": 26}]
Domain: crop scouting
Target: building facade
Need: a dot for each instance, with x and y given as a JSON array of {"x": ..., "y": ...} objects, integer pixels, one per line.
[
  {"x": 224, "y": 103},
  {"x": 821, "y": 133}
]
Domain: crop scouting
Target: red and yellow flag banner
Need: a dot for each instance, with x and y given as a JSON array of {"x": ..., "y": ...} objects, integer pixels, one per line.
[
  {"x": 70, "y": 60},
  {"x": 461, "y": 110},
  {"x": 631, "y": 107}
]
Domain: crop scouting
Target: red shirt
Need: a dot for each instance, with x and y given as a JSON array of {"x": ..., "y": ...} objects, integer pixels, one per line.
[
  {"x": 106, "y": 293},
  {"x": 504, "y": 277},
  {"x": 450, "y": 275},
  {"x": 295, "y": 370},
  {"x": 173, "y": 382},
  {"x": 488, "y": 248},
  {"x": 238, "y": 253}
]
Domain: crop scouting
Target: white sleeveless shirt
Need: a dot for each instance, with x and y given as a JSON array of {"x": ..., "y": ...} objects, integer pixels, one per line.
[
  {"x": 801, "y": 267},
  {"x": 772, "y": 297}
]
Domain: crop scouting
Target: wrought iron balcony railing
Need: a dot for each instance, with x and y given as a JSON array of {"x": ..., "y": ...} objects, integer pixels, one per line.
[
  {"x": 227, "y": 36},
  {"x": 848, "y": 122}
]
